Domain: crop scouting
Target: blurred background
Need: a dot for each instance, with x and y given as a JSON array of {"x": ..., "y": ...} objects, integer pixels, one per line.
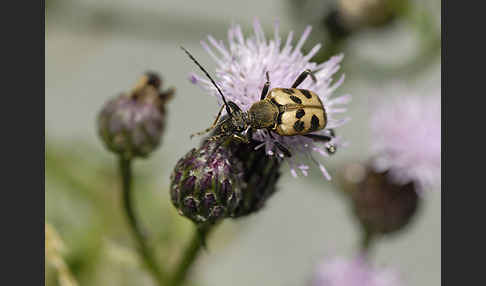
[{"x": 97, "y": 49}]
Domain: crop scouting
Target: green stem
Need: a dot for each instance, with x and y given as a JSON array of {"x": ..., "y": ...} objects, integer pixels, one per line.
[
  {"x": 144, "y": 250},
  {"x": 366, "y": 242},
  {"x": 198, "y": 242}
]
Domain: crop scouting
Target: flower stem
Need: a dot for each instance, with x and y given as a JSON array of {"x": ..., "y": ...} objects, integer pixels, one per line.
[
  {"x": 198, "y": 242},
  {"x": 366, "y": 242},
  {"x": 144, "y": 250}
]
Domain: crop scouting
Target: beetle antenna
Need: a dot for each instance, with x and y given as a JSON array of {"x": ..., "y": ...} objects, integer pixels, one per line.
[{"x": 228, "y": 110}]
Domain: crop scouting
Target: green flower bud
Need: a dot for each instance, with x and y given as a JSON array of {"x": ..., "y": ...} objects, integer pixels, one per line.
[
  {"x": 132, "y": 124},
  {"x": 207, "y": 183}
]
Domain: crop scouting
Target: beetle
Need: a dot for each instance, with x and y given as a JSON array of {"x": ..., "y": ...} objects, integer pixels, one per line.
[{"x": 285, "y": 111}]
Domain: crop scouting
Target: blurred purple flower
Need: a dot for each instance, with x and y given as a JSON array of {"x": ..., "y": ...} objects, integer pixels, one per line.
[
  {"x": 241, "y": 75},
  {"x": 353, "y": 272},
  {"x": 406, "y": 137}
]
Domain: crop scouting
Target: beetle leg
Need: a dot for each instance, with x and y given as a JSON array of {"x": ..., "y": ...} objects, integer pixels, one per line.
[
  {"x": 302, "y": 77},
  {"x": 332, "y": 133},
  {"x": 240, "y": 138},
  {"x": 331, "y": 149},
  {"x": 216, "y": 137},
  {"x": 212, "y": 126},
  {"x": 282, "y": 148},
  {"x": 265, "y": 87},
  {"x": 249, "y": 134},
  {"x": 322, "y": 138}
]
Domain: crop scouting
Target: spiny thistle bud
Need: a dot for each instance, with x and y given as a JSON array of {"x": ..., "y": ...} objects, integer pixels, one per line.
[
  {"x": 260, "y": 172},
  {"x": 381, "y": 205},
  {"x": 132, "y": 123},
  {"x": 207, "y": 183}
]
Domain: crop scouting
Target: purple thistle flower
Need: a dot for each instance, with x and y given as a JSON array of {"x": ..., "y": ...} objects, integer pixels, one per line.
[
  {"x": 353, "y": 272},
  {"x": 406, "y": 139},
  {"x": 241, "y": 75}
]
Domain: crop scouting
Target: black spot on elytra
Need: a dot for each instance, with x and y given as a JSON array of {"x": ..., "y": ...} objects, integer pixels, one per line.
[
  {"x": 296, "y": 99},
  {"x": 299, "y": 125},
  {"x": 279, "y": 118},
  {"x": 306, "y": 93},
  {"x": 300, "y": 113},
  {"x": 288, "y": 90},
  {"x": 314, "y": 123}
]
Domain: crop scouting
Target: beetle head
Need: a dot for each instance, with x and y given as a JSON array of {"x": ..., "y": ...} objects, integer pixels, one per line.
[{"x": 239, "y": 119}]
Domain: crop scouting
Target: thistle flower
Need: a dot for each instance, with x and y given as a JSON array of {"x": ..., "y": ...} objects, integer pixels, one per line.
[
  {"x": 340, "y": 271},
  {"x": 241, "y": 75},
  {"x": 132, "y": 123},
  {"x": 406, "y": 133},
  {"x": 206, "y": 184},
  {"x": 406, "y": 147}
]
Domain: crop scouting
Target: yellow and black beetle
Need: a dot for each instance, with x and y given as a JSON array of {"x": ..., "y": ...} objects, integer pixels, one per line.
[{"x": 285, "y": 111}]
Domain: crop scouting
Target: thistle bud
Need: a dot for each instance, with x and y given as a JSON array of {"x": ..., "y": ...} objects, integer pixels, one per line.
[
  {"x": 352, "y": 15},
  {"x": 260, "y": 172},
  {"x": 132, "y": 123},
  {"x": 207, "y": 183},
  {"x": 360, "y": 13},
  {"x": 381, "y": 205}
]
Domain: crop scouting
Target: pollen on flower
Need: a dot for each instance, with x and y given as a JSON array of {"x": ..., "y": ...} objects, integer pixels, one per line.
[{"x": 240, "y": 73}]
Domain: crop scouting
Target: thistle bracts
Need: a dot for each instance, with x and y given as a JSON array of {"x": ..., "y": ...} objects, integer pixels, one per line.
[
  {"x": 381, "y": 205},
  {"x": 223, "y": 179},
  {"x": 207, "y": 183},
  {"x": 261, "y": 173},
  {"x": 132, "y": 124}
]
